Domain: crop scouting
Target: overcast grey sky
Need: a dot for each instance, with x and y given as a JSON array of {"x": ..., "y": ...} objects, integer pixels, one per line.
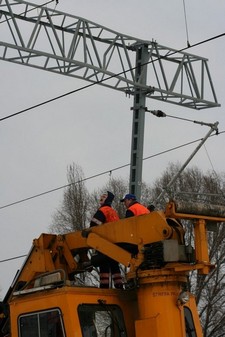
[{"x": 37, "y": 146}]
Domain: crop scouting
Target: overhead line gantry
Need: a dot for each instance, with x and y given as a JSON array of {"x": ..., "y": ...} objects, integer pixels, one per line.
[{"x": 62, "y": 43}]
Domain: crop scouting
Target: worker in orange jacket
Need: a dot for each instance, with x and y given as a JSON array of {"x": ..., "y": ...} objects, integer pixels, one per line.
[
  {"x": 104, "y": 214},
  {"x": 133, "y": 207}
]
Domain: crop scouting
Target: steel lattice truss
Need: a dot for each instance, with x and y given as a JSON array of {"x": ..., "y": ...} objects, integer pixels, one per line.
[{"x": 62, "y": 43}]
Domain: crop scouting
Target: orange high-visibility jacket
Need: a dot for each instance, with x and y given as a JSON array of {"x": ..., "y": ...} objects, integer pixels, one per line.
[
  {"x": 109, "y": 213},
  {"x": 138, "y": 209}
]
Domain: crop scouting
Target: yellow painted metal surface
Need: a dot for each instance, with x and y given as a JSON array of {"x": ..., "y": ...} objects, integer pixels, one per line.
[
  {"x": 67, "y": 299},
  {"x": 152, "y": 309}
]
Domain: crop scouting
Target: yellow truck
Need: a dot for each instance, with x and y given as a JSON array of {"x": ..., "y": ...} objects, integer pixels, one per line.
[{"x": 46, "y": 301}]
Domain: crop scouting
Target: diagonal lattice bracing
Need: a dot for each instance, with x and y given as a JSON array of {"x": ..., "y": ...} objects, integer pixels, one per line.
[{"x": 62, "y": 43}]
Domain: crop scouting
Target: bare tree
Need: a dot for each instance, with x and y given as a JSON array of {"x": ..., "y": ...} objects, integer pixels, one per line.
[
  {"x": 193, "y": 185},
  {"x": 78, "y": 207},
  {"x": 146, "y": 195},
  {"x": 209, "y": 289},
  {"x": 72, "y": 215}
]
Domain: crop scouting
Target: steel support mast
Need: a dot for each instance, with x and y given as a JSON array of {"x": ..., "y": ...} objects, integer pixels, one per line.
[
  {"x": 44, "y": 38},
  {"x": 137, "y": 144}
]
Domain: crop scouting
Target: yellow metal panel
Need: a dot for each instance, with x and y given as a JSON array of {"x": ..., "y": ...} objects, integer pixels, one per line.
[
  {"x": 67, "y": 299},
  {"x": 147, "y": 327},
  {"x": 112, "y": 250}
]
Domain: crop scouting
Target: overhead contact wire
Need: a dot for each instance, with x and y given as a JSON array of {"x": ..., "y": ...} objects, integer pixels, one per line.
[
  {"x": 107, "y": 78},
  {"x": 186, "y": 25},
  {"x": 98, "y": 174}
]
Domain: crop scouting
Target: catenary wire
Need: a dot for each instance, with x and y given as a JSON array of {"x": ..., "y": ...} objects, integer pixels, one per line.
[
  {"x": 186, "y": 25},
  {"x": 100, "y": 174},
  {"x": 85, "y": 87},
  {"x": 109, "y": 171},
  {"x": 13, "y": 258},
  {"x": 213, "y": 170},
  {"x": 79, "y": 89},
  {"x": 106, "y": 79},
  {"x": 207, "y": 154}
]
